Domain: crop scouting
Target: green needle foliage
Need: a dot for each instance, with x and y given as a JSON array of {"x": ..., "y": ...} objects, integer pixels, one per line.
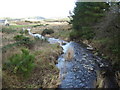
[
  {"x": 47, "y": 31},
  {"x": 23, "y": 40},
  {"x": 99, "y": 23},
  {"x": 8, "y": 30},
  {"x": 21, "y": 64},
  {"x": 85, "y": 15}
]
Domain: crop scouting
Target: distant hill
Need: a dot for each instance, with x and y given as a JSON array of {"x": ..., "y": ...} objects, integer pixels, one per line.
[
  {"x": 36, "y": 17},
  {"x": 57, "y": 19}
]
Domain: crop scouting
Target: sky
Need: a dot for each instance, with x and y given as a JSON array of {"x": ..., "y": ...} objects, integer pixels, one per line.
[{"x": 29, "y": 8}]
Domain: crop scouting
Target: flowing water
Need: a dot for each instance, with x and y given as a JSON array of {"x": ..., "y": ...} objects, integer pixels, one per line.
[{"x": 81, "y": 70}]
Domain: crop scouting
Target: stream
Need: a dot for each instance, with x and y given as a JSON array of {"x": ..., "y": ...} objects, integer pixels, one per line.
[{"x": 80, "y": 71}]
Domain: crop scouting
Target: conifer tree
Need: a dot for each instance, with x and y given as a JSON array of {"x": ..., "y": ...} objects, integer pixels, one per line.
[{"x": 86, "y": 14}]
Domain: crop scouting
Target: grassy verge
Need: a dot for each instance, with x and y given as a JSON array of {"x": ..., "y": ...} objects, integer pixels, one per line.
[
  {"x": 30, "y": 25},
  {"x": 64, "y": 35},
  {"x": 44, "y": 75}
]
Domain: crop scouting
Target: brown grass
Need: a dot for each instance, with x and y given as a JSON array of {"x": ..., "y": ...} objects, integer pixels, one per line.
[{"x": 44, "y": 75}]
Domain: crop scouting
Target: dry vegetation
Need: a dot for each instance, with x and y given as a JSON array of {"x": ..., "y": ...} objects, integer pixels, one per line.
[{"x": 45, "y": 74}]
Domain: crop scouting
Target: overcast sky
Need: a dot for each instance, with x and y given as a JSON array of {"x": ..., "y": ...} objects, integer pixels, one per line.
[{"x": 44, "y": 8}]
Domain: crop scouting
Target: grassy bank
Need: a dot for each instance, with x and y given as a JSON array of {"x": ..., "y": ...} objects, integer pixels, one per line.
[{"x": 44, "y": 73}]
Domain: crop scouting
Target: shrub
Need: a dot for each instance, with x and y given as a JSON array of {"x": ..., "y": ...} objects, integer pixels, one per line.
[
  {"x": 47, "y": 31},
  {"x": 24, "y": 32},
  {"x": 23, "y": 40},
  {"x": 8, "y": 30},
  {"x": 28, "y": 21},
  {"x": 19, "y": 37},
  {"x": 84, "y": 33},
  {"x": 87, "y": 33},
  {"x": 38, "y": 25},
  {"x": 6, "y": 47},
  {"x": 74, "y": 35},
  {"x": 21, "y": 63}
]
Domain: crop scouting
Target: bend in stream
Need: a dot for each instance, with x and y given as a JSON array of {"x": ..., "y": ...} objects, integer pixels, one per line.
[{"x": 80, "y": 71}]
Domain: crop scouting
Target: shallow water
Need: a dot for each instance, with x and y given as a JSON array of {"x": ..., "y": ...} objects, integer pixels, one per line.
[{"x": 80, "y": 71}]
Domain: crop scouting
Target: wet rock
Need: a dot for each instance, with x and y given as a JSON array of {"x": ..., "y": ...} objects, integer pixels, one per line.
[
  {"x": 101, "y": 65},
  {"x": 77, "y": 77},
  {"x": 71, "y": 86},
  {"x": 81, "y": 84},
  {"x": 90, "y": 68},
  {"x": 84, "y": 56},
  {"x": 76, "y": 53},
  {"x": 74, "y": 69},
  {"x": 83, "y": 79},
  {"x": 76, "y": 86},
  {"x": 96, "y": 53},
  {"x": 77, "y": 60},
  {"x": 90, "y": 48},
  {"x": 81, "y": 69}
]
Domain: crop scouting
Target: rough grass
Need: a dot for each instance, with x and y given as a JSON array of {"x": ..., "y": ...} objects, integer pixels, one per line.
[
  {"x": 62, "y": 34},
  {"x": 44, "y": 75},
  {"x": 20, "y": 26},
  {"x": 8, "y": 30}
]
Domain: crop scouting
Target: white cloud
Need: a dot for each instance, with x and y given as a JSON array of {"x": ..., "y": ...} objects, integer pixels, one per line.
[{"x": 45, "y": 8}]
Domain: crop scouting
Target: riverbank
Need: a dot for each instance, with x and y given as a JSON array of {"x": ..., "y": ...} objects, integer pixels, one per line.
[
  {"x": 100, "y": 32},
  {"x": 45, "y": 73}
]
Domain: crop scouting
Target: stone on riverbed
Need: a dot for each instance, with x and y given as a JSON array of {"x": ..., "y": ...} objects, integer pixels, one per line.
[{"x": 90, "y": 48}]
